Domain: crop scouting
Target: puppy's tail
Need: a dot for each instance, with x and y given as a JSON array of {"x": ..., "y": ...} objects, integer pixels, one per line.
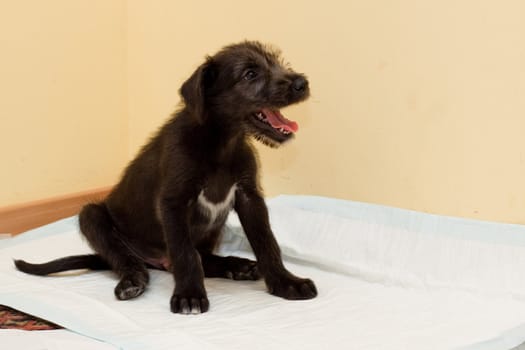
[{"x": 77, "y": 262}]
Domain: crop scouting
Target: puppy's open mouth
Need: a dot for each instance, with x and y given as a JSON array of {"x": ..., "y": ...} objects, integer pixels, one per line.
[
  {"x": 270, "y": 127},
  {"x": 277, "y": 121},
  {"x": 274, "y": 119}
]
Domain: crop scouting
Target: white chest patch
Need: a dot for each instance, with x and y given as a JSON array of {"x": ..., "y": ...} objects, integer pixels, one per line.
[{"x": 214, "y": 210}]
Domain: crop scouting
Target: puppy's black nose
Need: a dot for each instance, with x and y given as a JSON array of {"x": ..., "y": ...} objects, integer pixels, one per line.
[{"x": 300, "y": 84}]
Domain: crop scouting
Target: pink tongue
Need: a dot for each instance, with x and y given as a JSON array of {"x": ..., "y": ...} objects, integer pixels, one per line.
[{"x": 277, "y": 120}]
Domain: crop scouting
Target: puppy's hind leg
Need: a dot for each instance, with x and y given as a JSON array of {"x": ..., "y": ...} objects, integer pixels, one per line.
[
  {"x": 98, "y": 227},
  {"x": 230, "y": 267}
]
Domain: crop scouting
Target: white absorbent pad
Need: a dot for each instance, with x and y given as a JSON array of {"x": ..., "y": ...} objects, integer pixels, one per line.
[{"x": 387, "y": 279}]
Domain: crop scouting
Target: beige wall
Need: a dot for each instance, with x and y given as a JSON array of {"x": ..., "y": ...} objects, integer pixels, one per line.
[
  {"x": 63, "y": 125},
  {"x": 415, "y": 104}
]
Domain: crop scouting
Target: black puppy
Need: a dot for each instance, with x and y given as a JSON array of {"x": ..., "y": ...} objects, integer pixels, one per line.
[{"x": 170, "y": 206}]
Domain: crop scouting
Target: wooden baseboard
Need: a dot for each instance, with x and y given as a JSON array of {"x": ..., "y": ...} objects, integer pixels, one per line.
[{"x": 22, "y": 217}]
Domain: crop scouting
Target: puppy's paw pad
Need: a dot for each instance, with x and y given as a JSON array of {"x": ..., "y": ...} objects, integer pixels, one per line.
[
  {"x": 243, "y": 269},
  {"x": 129, "y": 289},
  {"x": 188, "y": 305},
  {"x": 248, "y": 271}
]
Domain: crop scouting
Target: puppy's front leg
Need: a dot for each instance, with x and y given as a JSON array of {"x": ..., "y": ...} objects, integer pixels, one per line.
[
  {"x": 253, "y": 215},
  {"x": 189, "y": 296}
]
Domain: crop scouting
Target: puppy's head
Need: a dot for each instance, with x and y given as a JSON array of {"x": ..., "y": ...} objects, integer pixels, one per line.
[{"x": 245, "y": 85}]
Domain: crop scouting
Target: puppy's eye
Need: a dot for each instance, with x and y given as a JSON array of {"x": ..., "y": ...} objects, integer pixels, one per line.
[{"x": 250, "y": 74}]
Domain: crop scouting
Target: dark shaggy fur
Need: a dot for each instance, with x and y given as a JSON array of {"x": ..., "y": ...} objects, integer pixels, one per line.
[{"x": 171, "y": 204}]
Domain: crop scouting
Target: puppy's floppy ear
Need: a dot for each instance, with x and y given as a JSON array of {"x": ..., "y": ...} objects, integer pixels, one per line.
[{"x": 194, "y": 90}]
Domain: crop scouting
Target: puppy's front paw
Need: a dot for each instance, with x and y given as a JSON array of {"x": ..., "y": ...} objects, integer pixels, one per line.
[
  {"x": 293, "y": 288},
  {"x": 189, "y": 304}
]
